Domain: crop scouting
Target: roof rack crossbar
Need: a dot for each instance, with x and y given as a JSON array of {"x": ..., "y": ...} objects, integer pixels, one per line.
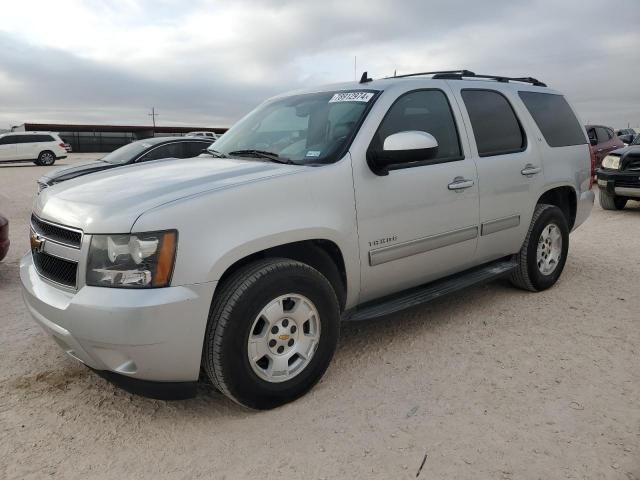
[
  {"x": 460, "y": 74},
  {"x": 465, "y": 73}
]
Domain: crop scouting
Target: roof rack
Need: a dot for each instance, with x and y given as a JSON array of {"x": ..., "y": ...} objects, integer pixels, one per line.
[{"x": 460, "y": 74}]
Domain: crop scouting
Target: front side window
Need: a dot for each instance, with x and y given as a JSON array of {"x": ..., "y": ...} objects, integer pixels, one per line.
[
  {"x": 127, "y": 153},
  {"x": 554, "y": 117},
  {"x": 305, "y": 129},
  {"x": 193, "y": 149},
  {"x": 426, "y": 111},
  {"x": 495, "y": 126}
]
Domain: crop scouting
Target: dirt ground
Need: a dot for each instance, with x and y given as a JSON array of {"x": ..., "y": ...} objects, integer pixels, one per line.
[{"x": 489, "y": 383}]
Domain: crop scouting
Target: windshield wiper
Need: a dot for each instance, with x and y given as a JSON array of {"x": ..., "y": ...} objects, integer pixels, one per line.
[
  {"x": 214, "y": 153},
  {"x": 274, "y": 157}
]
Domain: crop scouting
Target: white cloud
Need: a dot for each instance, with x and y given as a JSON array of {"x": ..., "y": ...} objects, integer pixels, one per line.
[{"x": 209, "y": 61}]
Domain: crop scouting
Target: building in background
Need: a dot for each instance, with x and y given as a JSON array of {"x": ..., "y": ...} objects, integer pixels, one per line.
[{"x": 106, "y": 138}]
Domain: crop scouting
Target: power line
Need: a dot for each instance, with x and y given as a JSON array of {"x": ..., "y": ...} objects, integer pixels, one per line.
[{"x": 153, "y": 116}]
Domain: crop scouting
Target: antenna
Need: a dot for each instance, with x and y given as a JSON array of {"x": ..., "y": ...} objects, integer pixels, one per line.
[{"x": 364, "y": 78}]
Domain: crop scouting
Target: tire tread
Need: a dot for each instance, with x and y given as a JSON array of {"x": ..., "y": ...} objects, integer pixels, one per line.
[
  {"x": 224, "y": 302},
  {"x": 520, "y": 276}
]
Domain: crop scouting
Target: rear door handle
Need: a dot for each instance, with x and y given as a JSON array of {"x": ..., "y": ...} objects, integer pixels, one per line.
[
  {"x": 530, "y": 170},
  {"x": 460, "y": 183}
]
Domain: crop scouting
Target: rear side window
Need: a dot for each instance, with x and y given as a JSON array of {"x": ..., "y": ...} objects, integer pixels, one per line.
[
  {"x": 171, "y": 150},
  {"x": 42, "y": 138},
  {"x": 554, "y": 118},
  {"x": 426, "y": 111},
  {"x": 8, "y": 140},
  {"x": 603, "y": 134},
  {"x": 495, "y": 126}
]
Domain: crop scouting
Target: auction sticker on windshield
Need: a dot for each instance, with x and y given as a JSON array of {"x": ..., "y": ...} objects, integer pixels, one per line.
[{"x": 351, "y": 97}]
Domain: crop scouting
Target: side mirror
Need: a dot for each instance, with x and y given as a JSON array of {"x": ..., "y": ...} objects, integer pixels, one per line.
[
  {"x": 402, "y": 147},
  {"x": 593, "y": 141}
]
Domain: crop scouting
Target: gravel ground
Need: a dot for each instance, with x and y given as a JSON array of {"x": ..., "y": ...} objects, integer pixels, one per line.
[{"x": 489, "y": 383}]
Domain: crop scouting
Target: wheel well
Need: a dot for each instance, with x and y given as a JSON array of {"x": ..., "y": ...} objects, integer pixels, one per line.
[
  {"x": 323, "y": 255},
  {"x": 565, "y": 199}
]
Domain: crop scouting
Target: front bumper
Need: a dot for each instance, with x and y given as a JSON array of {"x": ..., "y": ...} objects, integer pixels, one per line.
[
  {"x": 621, "y": 183},
  {"x": 150, "y": 334}
]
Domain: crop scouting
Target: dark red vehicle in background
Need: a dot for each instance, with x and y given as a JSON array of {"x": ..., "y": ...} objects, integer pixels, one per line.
[
  {"x": 4, "y": 236},
  {"x": 603, "y": 140}
]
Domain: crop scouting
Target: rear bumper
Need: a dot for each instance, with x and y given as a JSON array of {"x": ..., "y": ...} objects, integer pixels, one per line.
[
  {"x": 153, "y": 334},
  {"x": 4, "y": 248},
  {"x": 624, "y": 184},
  {"x": 583, "y": 207},
  {"x": 4, "y": 237}
]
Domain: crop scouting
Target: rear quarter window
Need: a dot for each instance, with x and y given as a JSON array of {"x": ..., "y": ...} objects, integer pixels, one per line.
[{"x": 554, "y": 118}]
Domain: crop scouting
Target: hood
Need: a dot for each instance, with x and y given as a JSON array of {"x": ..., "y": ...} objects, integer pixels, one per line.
[
  {"x": 73, "y": 171},
  {"x": 111, "y": 201}
]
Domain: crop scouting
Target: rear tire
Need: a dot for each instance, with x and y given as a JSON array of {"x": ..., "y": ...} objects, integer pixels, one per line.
[
  {"x": 611, "y": 202},
  {"x": 544, "y": 251},
  {"x": 229, "y": 353},
  {"x": 45, "y": 159}
]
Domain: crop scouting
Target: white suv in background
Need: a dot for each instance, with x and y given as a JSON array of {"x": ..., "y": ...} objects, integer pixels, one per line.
[
  {"x": 41, "y": 148},
  {"x": 212, "y": 135}
]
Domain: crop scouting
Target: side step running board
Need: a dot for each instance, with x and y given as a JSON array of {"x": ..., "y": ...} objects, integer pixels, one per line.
[{"x": 431, "y": 291}]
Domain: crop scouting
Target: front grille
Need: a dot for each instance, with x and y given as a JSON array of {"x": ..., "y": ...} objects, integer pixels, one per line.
[
  {"x": 630, "y": 182},
  {"x": 55, "y": 269},
  {"x": 634, "y": 164},
  {"x": 66, "y": 236}
]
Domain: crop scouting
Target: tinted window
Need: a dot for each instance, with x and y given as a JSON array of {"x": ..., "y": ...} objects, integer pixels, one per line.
[
  {"x": 425, "y": 111},
  {"x": 22, "y": 139},
  {"x": 602, "y": 134},
  {"x": 9, "y": 139},
  {"x": 193, "y": 149},
  {"x": 554, "y": 118},
  {"x": 41, "y": 138},
  {"x": 495, "y": 125},
  {"x": 172, "y": 150}
]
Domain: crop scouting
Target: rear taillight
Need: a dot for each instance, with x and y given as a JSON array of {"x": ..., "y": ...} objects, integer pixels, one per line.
[
  {"x": 592, "y": 154},
  {"x": 62, "y": 145}
]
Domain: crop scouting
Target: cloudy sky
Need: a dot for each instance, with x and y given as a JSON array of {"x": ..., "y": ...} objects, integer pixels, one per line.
[{"x": 207, "y": 62}]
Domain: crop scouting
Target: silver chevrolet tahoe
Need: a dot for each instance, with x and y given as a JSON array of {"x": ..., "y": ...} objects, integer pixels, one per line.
[{"x": 345, "y": 202}]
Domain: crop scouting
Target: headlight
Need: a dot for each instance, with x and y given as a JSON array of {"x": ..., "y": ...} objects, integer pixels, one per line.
[
  {"x": 612, "y": 162},
  {"x": 140, "y": 260}
]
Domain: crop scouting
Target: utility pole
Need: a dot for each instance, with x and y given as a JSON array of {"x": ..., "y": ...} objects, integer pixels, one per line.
[
  {"x": 153, "y": 116},
  {"x": 355, "y": 66}
]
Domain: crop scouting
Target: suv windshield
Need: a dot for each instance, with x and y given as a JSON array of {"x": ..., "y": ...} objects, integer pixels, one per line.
[
  {"x": 309, "y": 128},
  {"x": 124, "y": 154}
]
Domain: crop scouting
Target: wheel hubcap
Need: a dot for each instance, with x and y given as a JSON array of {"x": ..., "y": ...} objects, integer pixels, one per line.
[
  {"x": 47, "y": 158},
  {"x": 283, "y": 338},
  {"x": 549, "y": 249}
]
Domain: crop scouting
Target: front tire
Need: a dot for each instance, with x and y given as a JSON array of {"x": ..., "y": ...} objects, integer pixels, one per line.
[
  {"x": 45, "y": 159},
  {"x": 272, "y": 332},
  {"x": 544, "y": 251},
  {"x": 611, "y": 202}
]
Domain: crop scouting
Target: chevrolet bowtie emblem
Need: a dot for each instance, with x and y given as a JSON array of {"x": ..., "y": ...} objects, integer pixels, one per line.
[{"x": 37, "y": 242}]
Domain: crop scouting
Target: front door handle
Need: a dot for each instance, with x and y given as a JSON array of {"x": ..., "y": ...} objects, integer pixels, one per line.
[
  {"x": 460, "y": 183},
  {"x": 530, "y": 170}
]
